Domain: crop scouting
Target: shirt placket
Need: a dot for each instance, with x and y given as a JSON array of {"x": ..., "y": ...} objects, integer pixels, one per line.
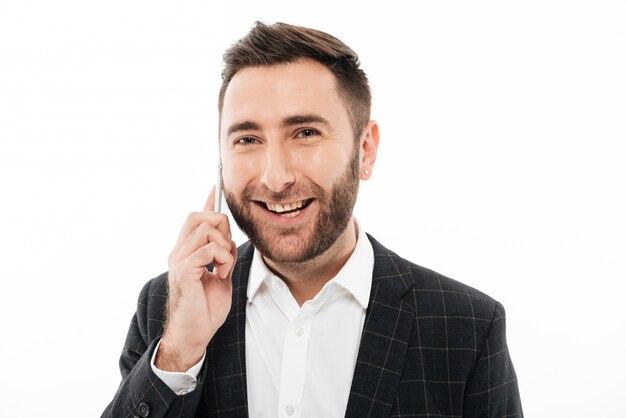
[{"x": 295, "y": 349}]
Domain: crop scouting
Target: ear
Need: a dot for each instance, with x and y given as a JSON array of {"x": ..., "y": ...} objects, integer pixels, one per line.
[{"x": 368, "y": 147}]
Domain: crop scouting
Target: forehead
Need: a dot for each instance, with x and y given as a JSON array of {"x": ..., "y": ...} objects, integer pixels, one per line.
[{"x": 269, "y": 94}]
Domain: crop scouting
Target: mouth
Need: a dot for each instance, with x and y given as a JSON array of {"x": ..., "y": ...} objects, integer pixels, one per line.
[{"x": 287, "y": 209}]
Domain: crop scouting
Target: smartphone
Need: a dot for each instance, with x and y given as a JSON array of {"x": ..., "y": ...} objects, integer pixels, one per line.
[{"x": 218, "y": 190}]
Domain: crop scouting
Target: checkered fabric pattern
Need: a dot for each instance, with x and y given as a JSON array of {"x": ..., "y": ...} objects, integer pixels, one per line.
[{"x": 431, "y": 347}]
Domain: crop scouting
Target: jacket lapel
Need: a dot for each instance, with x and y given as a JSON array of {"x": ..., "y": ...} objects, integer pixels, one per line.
[
  {"x": 385, "y": 337},
  {"x": 225, "y": 386}
]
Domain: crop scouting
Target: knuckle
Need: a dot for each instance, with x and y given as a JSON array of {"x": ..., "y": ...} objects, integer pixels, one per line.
[
  {"x": 218, "y": 218},
  {"x": 192, "y": 217},
  {"x": 211, "y": 247},
  {"x": 203, "y": 228}
]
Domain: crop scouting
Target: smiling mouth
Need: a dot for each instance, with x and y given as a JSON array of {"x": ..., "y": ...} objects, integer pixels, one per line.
[{"x": 288, "y": 209}]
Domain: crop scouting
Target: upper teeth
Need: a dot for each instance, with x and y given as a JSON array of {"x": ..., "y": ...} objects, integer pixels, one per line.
[{"x": 276, "y": 207}]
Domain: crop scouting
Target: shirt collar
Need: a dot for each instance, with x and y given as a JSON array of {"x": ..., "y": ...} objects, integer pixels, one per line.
[{"x": 355, "y": 276}]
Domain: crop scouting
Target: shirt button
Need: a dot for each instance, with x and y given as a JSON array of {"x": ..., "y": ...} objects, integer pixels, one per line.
[
  {"x": 289, "y": 410},
  {"x": 299, "y": 331}
]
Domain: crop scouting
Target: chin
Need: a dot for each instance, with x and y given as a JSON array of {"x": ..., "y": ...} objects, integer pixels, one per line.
[{"x": 293, "y": 248}]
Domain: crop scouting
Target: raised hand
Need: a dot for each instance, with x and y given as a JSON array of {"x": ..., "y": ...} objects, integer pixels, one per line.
[{"x": 198, "y": 300}]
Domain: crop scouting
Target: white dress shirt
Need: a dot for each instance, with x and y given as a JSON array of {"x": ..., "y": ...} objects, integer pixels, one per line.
[{"x": 300, "y": 360}]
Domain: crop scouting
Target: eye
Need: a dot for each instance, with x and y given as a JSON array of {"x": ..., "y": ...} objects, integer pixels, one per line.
[
  {"x": 307, "y": 133},
  {"x": 246, "y": 140}
]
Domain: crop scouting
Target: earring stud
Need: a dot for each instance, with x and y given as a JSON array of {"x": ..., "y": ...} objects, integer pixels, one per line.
[{"x": 367, "y": 172}]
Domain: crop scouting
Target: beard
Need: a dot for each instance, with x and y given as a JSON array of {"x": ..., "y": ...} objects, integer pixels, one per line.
[{"x": 298, "y": 244}]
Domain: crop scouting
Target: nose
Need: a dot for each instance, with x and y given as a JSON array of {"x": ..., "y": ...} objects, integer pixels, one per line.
[{"x": 277, "y": 173}]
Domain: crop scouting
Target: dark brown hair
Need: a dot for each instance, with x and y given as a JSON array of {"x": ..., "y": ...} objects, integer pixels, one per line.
[{"x": 281, "y": 43}]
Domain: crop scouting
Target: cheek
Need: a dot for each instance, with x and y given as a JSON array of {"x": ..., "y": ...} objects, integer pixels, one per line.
[
  {"x": 321, "y": 166},
  {"x": 237, "y": 173}
]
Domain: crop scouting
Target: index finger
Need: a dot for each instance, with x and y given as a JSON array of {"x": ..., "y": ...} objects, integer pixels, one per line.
[{"x": 210, "y": 201}]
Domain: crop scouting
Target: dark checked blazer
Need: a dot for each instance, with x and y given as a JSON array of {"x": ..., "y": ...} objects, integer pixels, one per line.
[{"x": 431, "y": 347}]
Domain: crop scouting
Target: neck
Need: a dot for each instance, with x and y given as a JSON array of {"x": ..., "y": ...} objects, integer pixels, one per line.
[{"x": 306, "y": 279}]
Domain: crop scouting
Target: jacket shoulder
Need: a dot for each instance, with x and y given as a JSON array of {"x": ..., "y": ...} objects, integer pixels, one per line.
[{"x": 427, "y": 288}]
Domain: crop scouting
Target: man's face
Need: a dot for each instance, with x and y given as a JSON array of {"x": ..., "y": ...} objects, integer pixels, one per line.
[{"x": 290, "y": 163}]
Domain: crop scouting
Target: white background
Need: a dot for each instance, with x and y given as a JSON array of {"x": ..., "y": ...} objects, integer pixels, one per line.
[{"x": 501, "y": 164}]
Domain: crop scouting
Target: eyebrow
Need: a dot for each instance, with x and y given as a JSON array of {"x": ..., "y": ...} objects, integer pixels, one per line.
[
  {"x": 247, "y": 125},
  {"x": 289, "y": 121},
  {"x": 303, "y": 119}
]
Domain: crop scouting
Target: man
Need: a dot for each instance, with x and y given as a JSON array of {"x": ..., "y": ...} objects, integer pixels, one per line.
[{"x": 312, "y": 317}]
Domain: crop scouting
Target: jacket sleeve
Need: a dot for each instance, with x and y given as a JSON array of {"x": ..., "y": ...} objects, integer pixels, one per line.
[
  {"x": 141, "y": 392},
  {"x": 492, "y": 389}
]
